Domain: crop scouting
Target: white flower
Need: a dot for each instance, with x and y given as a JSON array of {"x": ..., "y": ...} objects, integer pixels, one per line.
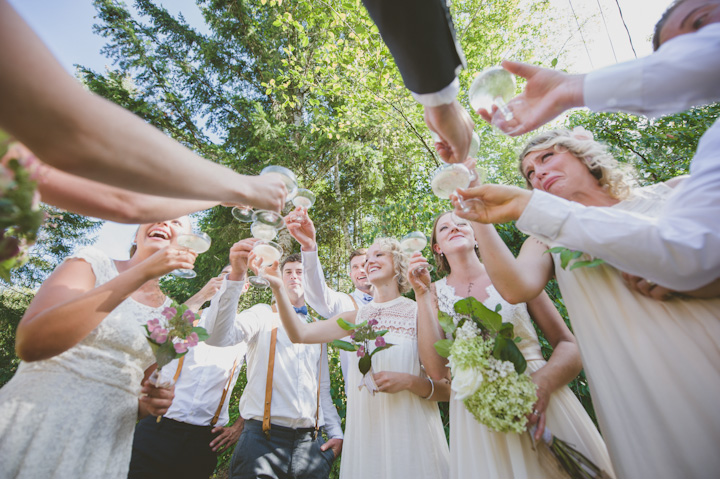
[
  {"x": 466, "y": 381},
  {"x": 468, "y": 330}
]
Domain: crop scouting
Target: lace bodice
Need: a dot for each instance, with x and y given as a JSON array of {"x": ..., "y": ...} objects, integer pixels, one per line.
[
  {"x": 116, "y": 351},
  {"x": 511, "y": 313},
  {"x": 398, "y": 316}
]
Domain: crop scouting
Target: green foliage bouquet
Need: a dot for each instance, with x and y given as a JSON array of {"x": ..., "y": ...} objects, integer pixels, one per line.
[
  {"x": 20, "y": 213},
  {"x": 487, "y": 367},
  {"x": 362, "y": 335},
  {"x": 172, "y": 335}
]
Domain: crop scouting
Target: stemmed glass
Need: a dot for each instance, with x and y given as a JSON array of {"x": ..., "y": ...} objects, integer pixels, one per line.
[
  {"x": 414, "y": 242},
  {"x": 268, "y": 252},
  {"x": 494, "y": 86},
  {"x": 449, "y": 178},
  {"x": 304, "y": 198},
  {"x": 198, "y": 242},
  {"x": 263, "y": 231},
  {"x": 246, "y": 214}
]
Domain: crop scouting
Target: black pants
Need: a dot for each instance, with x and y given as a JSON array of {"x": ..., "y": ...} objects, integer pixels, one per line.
[
  {"x": 171, "y": 449},
  {"x": 288, "y": 454}
]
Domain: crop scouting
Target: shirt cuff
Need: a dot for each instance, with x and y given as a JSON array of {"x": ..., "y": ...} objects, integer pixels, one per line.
[
  {"x": 443, "y": 97},
  {"x": 614, "y": 88},
  {"x": 544, "y": 215}
]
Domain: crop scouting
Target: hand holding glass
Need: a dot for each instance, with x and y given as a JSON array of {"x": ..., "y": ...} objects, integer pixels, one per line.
[
  {"x": 198, "y": 242},
  {"x": 268, "y": 252},
  {"x": 494, "y": 86},
  {"x": 245, "y": 214},
  {"x": 449, "y": 178},
  {"x": 414, "y": 242}
]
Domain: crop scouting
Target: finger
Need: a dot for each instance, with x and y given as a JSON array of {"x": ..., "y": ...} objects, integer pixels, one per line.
[
  {"x": 540, "y": 427},
  {"x": 520, "y": 69},
  {"x": 325, "y": 447},
  {"x": 484, "y": 114}
]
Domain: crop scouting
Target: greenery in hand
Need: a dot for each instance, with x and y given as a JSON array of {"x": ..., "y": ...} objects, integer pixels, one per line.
[
  {"x": 361, "y": 337},
  {"x": 172, "y": 335},
  {"x": 567, "y": 255}
]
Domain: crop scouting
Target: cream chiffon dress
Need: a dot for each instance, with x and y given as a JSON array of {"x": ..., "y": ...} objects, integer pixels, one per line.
[
  {"x": 73, "y": 415},
  {"x": 478, "y": 452},
  {"x": 393, "y": 436},
  {"x": 653, "y": 367}
]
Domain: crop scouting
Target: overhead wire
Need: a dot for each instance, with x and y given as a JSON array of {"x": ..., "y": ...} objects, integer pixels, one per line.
[
  {"x": 612, "y": 47},
  {"x": 626, "y": 28},
  {"x": 581, "y": 33}
]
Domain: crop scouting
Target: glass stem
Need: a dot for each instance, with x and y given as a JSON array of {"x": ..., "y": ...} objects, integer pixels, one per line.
[{"x": 503, "y": 107}]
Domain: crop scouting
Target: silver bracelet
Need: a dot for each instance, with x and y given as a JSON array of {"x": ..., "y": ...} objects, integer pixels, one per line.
[{"x": 432, "y": 388}]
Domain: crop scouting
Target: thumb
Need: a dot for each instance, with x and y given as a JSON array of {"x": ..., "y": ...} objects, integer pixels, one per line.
[
  {"x": 524, "y": 70},
  {"x": 324, "y": 447}
]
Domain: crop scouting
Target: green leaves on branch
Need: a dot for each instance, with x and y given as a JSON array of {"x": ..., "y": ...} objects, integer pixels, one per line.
[{"x": 567, "y": 255}]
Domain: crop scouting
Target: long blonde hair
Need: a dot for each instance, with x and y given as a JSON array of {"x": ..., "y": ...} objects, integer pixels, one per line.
[{"x": 400, "y": 261}]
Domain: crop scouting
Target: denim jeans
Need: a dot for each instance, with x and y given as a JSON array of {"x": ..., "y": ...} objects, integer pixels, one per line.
[{"x": 288, "y": 454}]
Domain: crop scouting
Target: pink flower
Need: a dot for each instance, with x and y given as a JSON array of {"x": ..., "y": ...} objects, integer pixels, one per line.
[
  {"x": 192, "y": 340},
  {"x": 379, "y": 342},
  {"x": 189, "y": 316},
  {"x": 153, "y": 324},
  {"x": 352, "y": 336},
  {"x": 169, "y": 312},
  {"x": 160, "y": 335},
  {"x": 361, "y": 351},
  {"x": 180, "y": 347},
  {"x": 372, "y": 322}
]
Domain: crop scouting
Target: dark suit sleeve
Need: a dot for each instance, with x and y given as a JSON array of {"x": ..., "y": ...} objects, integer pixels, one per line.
[{"x": 421, "y": 38}]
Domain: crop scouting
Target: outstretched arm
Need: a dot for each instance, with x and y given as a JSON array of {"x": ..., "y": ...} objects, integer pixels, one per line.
[{"x": 83, "y": 134}]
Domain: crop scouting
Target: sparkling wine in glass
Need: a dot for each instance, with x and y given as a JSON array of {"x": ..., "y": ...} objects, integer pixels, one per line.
[
  {"x": 287, "y": 176},
  {"x": 198, "y": 242},
  {"x": 243, "y": 214},
  {"x": 414, "y": 242},
  {"x": 449, "y": 178},
  {"x": 268, "y": 252},
  {"x": 263, "y": 231},
  {"x": 270, "y": 218},
  {"x": 304, "y": 198},
  {"x": 494, "y": 86}
]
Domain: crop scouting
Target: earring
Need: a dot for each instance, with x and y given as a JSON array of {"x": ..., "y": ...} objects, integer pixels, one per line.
[{"x": 442, "y": 254}]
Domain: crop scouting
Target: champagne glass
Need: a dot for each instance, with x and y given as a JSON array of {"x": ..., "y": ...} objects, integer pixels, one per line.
[
  {"x": 198, "y": 242},
  {"x": 474, "y": 143},
  {"x": 450, "y": 177},
  {"x": 414, "y": 242},
  {"x": 268, "y": 252},
  {"x": 287, "y": 176},
  {"x": 304, "y": 198},
  {"x": 263, "y": 231},
  {"x": 270, "y": 218},
  {"x": 494, "y": 86},
  {"x": 243, "y": 214}
]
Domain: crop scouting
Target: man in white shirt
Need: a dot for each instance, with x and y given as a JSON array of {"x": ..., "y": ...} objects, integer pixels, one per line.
[
  {"x": 680, "y": 250},
  {"x": 195, "y": 424},
  {"x": 328, "y": 302},
  {"x": 282, "y": 440}
]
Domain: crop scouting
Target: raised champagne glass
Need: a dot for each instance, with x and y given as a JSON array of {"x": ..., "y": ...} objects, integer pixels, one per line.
[
  {"x": 263, "y": 231},
  {"x": 449, "y": 178},
  {"x": 287, "y": 176},
  {"x": 304, "y": 198},
  {"x": 414, "y": 242},
  {"x": 243, "y": 214},
  {"x": 494, "y": 86},
  {"x": 268, "y": 252},
  {"x": 198, "y": 242}
]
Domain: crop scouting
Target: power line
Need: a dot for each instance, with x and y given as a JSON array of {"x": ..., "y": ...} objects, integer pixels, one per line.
[
  {"x": 612, "y": 47},
  {"x": 626, "y": 28},
  {"x": 581, "y": 34}
]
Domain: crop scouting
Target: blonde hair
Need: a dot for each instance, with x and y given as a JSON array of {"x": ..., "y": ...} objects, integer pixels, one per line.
[
  {"x": 400, "y": 261},
  {"x": 594, "y": 155}
]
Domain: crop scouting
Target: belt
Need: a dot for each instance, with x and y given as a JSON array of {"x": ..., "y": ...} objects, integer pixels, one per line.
[
  {"x": 254, "y": 424},
  {"x": 183, "y": 425}
]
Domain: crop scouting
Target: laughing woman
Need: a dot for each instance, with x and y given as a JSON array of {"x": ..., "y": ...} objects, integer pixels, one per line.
[
  {"x": 397, "y": 432},
  {"x": 70, "y": 409}
]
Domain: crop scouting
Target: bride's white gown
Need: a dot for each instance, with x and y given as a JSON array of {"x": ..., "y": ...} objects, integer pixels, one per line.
[
  {"x": 478, "y": 452},
  {"x": 73, "y": 415}
]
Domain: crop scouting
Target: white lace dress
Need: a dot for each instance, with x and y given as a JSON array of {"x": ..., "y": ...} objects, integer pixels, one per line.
[
  {"x": 73, "y": 415},
  {"x": 478, "y": 452},
  {"x": 392, "y": 435}
]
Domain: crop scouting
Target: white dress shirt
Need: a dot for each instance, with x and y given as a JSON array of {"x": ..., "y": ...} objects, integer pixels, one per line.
[
  {"x": 295, "y": 385},
  {"x": 328, "y": 302},
  {"x": 681, "y": 248}
]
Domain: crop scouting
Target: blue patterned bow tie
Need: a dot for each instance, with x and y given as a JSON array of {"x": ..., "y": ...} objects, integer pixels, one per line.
[
  {"x": 302, "y": 310},
  {"x": 367, "y": 298}
]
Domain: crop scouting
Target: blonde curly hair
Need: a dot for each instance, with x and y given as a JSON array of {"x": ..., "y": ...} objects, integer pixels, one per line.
[
  {"x": 400, "y": 261},
  {"x": 594, "y": 155}
]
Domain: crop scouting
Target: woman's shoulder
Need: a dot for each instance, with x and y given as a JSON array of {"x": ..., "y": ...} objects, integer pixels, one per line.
[{"x": 101, "y": 264}]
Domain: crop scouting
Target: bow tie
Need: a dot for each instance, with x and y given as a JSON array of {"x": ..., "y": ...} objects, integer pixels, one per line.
[
  {"x": 367, "y": 298},
  {"x": 302, "y": 310}
]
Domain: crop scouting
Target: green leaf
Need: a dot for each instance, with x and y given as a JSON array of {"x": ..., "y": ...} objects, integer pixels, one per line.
[
  {"x": 365, "y": 364},
  {"x": 165, "y": 353},
  {"x": 340, "y": 344},
  {"x": 381, "y": 348},
  {"x": 443, "y": 347},
  {"x": 554, "y": 63},
  {"x": 201, "y": 332},
  {"x": 589, "y": 264},
  {"x": 506, "y": 330},
  {"x": 347, "y": 326},
  {"x": 568, "y": 255},
  {"x": 447, "y": 323},
  {"x": 505, "y": 350},
  {"x": 485, "y": 317}
]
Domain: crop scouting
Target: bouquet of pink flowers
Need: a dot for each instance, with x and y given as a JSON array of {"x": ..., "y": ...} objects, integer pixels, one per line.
[
  {"x": 362, "y": 335},
  {"x": 20, "y": 213},
  {"x": 172, "y": 335}
]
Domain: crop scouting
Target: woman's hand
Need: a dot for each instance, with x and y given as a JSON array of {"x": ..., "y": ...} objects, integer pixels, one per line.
[
  {"x": 155, "y": 400},
  {"x": 537, "y": 417},
  {"x": 166, "y": 260},
  {"x": 301, "y": 227},
  {"x": 239, "y": 258},
  {"x": 418, "y": 274},
  {"x": 498, "y": 203},
  {"x": 270, "y": 273},
  {"x": 391, "y": 382}
]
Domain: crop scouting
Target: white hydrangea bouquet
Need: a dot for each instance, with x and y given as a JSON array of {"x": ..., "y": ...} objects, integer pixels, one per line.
[
  {"x": 487, "y": 367},
  {"x": 488, "y": 373}
]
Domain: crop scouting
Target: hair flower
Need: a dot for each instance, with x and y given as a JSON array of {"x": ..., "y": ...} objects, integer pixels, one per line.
[{"x": 580, "y": 133}]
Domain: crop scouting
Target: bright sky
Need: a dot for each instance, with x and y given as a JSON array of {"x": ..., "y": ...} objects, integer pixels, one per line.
[{"x": 66, "y": 27}]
